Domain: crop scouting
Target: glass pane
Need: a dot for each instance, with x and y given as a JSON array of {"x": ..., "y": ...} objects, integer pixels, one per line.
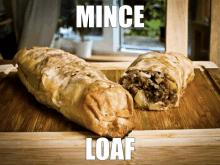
[
  {"x": 152, "y": 36},
  {"x": 67, "y": 21}
]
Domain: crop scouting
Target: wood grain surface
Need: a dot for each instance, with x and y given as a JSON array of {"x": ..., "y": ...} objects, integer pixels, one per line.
[
  {"x": 215, "y": 76},
  {"x": 151, "y": 147},
  {"x": 199, "y": 108},
  {"x": 177, "y": 26}
]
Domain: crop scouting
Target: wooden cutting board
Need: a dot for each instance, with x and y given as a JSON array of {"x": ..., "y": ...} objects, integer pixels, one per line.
[
  {"x": 31, "y": 133},
  {"x": 199, "y": 107},
  {"x": 190, "y": 146}
]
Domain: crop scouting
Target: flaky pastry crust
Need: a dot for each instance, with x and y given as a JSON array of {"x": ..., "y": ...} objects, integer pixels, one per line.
[{"x": 76, "y": 89}]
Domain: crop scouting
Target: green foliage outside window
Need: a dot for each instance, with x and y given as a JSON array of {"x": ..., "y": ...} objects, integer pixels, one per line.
[{"x": 154, "y": 18}]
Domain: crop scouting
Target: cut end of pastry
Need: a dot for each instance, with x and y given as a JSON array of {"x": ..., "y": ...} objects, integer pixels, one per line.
[{"x": 152, "y": 90}]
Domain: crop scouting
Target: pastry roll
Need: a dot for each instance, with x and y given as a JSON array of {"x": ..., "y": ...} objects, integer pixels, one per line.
[
  {"x": 156, "y": 80},
  {"x": 76, "y": 89}
]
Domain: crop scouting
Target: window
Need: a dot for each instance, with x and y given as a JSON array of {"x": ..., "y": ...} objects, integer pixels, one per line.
[
  {"x": 67, "y": 23},
  {"x": 116, "y": 40},
  {"x": 152, "y": 36},
  {"x": 66, "y": 35}
]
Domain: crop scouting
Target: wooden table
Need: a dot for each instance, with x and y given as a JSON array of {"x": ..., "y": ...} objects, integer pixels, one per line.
[{"x": 33, "y": 133}]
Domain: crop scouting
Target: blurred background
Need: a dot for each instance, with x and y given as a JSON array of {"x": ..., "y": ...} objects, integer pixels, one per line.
[{"x": 52, "y": 23}]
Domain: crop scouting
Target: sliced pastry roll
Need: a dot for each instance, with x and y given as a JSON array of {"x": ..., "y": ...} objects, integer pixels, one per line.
[
  {"x": 76, "y": 89},
  {"x": 156, "y": 80}
]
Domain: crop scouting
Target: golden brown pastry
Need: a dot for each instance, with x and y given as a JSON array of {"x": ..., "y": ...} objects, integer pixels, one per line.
[
  {"x": 156, "y": 80},
  {"x": 76, "y": 89}
]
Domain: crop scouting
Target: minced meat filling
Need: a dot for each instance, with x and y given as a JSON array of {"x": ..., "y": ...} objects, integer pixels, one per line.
[{"x": 153, "y": 83}]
